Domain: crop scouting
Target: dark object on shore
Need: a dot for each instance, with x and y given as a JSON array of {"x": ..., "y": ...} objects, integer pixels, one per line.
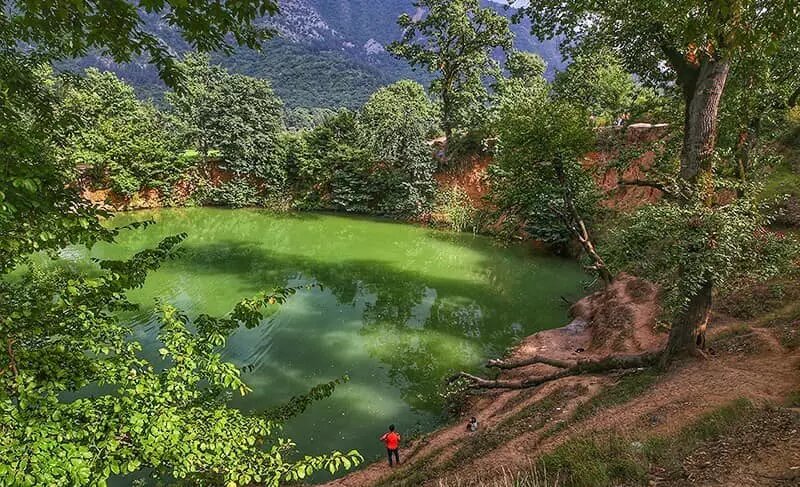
[{"x": 472, "y": 426}]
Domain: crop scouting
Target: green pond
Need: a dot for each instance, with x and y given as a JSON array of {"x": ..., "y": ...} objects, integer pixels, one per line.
[{"x": 398, "y": 308}]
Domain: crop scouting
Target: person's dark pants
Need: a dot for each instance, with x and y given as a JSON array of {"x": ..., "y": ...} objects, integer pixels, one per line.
[{"x": 396, "y": 453}]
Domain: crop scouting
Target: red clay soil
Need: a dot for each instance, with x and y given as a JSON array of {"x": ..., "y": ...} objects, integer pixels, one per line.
[
  {"x": 470, "y": 175},
  {"x": 619, "y": 320},
  {"x": 147, "y": 198},
  {"x": 636, "y": 136}
]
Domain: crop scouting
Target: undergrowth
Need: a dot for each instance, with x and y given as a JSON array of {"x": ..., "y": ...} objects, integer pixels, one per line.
[{"x": 612, "y": 459}]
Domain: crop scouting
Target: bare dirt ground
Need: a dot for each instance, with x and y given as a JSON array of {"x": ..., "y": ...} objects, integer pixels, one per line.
[{"x": 518, "y": 426}]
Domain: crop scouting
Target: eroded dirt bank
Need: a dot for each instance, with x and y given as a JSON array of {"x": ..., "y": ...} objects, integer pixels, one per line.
[{"x": 751, "y": 360}]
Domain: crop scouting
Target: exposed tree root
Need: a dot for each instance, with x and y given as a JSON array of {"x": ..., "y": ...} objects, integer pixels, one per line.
[
  {"x": 536, "y": 359},
  {"x": 569, "y": 368}
]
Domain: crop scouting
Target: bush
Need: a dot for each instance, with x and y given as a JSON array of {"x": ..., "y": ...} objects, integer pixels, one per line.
[
  {"x": 125, "y": 183},
  {"x": 456, "y": 207},
  {"x": 236, "y": 193}
]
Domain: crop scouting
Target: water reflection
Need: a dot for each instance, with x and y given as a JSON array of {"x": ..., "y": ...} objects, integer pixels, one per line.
[{"x": 397, "y": 308}]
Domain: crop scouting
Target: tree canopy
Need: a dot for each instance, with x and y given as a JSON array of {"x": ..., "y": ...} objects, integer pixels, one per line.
[
  {"x": 455, "y": 40},
  {"x": 234, "y": 117},
  {"x": 77, "y": 402}
]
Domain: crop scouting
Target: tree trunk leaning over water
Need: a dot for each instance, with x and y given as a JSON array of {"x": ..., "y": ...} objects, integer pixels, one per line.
[{"x": 702, "y": 83}]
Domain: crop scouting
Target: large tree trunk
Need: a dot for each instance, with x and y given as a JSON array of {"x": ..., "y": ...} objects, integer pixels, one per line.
[
  {"x": 701, "y": 124},
  {"x": 703, "y": 94},
  {"x": 447, "y": 108},
  {"x": 688, "y": 334}
]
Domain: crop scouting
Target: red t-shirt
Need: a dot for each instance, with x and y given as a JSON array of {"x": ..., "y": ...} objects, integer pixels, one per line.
[{"x": 392, "y": 440}]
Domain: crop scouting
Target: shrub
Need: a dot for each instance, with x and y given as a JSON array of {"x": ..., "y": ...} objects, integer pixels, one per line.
[{"x": 456, "y": 207}]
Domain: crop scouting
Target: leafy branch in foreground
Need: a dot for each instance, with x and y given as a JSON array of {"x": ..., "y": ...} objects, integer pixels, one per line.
[{"x": 79, "y": 404}]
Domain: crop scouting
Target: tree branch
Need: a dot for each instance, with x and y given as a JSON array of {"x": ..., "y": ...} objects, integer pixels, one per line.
[
  {"x": 536, "y": 359},
  {"x": 569, "y": 368},
  {"x": 794, "y": 98},
  {"x": 12, "y": 361}
]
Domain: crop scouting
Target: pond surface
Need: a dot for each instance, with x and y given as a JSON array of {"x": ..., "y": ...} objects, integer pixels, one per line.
[{"x": 399, "y": 308}]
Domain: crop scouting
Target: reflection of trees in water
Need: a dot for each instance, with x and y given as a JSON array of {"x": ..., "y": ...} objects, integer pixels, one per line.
[{"x": 420, "y": 324}]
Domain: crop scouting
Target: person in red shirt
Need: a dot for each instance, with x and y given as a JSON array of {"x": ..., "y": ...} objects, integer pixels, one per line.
[{"x": 392, "y": 441}]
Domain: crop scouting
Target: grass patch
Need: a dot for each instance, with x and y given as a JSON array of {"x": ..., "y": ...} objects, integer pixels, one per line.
[
  {"x": 610, "y": 460},
  {"x": 475, "y": 445},
  {"x": 529, "y": 418},
  {"x": 595, "y": 461},
  {"x": 625, "y": 389},
  {"x": 782, "y": 180},
  {"x": 751, "y": 299},
  {"x": 786, "y": 321},
  {"x": 425, "y": 469},
  {"x": 793, "y": 401},
  {"x": 733, "y": 331}
]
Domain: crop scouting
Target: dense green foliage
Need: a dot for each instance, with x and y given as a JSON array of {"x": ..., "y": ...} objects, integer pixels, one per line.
[
  {"x": 77, "y": 402},
  {"x": 696, "y": 47},
  {"x": 598, "y": 82},
  {"x": 374, "y": 161},
  {"x": 541, "y": 141},
  {"x": 234, "y": 117},
  {"x": 525, "y": 65},
  {"x": 394, "y": 126},
  {"x": 722, "y": 243},
  {"x": 455, "y": 41},
  {"x": 171, "y": 417},
  {"x": 116, "y": 137}
]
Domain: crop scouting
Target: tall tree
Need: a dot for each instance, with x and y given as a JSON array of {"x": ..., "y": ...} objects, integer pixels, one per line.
[
  {"x": 597, "y": 81},
  {"x": 455, "y": 39},
  {"x": 235, "y": 117},
  {"x": 394, "y": 126},
  {"x": 538, "y": 176},
  {"x": 525, "y": 65},
  {"x": 693, "y": 44},
  {"x": 115, "y": 136}
]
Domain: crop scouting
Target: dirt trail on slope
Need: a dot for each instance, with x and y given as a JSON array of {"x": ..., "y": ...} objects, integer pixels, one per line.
[{"x": 515, "y": 427}]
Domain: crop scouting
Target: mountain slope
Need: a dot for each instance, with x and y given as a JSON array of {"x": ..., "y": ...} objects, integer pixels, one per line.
[{"x": 328, "y": 53}]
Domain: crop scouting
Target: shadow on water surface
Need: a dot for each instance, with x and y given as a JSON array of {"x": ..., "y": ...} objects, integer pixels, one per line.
[{"x": 400, "y": 308}]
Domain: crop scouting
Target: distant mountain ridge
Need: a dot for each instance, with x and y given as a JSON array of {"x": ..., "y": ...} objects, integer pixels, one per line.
[{"x": 328, "y": 53}]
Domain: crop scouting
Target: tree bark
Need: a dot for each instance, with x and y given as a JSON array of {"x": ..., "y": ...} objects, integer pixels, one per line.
[
  {"x": 748, "y": 138},
  {"x": 703, "y": 94},
  {"x": 701, "y": 124},
  {"x": 687, "y": 335},
  {"x": 574, "y": 222}
]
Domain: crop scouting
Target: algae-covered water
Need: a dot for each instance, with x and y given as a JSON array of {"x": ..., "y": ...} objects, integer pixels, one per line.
[{"x": 399, "y": 307}]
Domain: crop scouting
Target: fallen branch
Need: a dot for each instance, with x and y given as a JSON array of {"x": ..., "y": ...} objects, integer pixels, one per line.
[
  {"x": 480, "y": 383},
  {"x": 569, "y": 368},
  {"x": 536, "y": 359}
]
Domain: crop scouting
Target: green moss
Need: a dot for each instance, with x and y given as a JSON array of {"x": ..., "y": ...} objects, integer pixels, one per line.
[{"x": 784, "y": 179}]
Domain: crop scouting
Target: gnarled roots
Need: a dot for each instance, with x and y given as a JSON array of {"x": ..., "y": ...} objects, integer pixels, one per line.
[{"x": 568, "y": 368}]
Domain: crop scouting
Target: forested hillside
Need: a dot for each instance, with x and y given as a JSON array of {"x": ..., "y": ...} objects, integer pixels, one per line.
[{"x": 328, "y": 54}]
